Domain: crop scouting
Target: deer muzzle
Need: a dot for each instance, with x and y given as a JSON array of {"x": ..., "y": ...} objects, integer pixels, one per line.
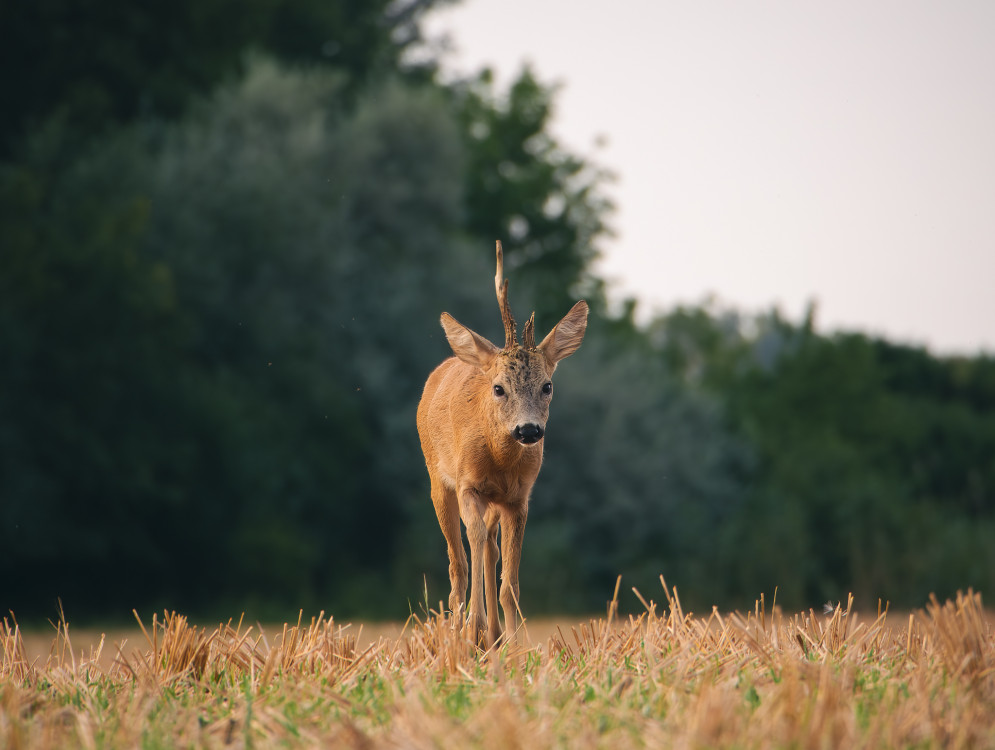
[{"x": 528, "y": 433}]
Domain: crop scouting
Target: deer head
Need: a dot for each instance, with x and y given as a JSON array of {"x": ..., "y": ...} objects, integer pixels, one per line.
[{"x": 520, "y": 376}]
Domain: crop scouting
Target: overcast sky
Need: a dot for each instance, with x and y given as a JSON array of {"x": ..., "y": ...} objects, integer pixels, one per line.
[{"x": 777, "y": 152}]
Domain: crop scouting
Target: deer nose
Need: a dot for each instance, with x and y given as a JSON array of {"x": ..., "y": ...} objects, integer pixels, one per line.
[{"x": 528, "y": 433}]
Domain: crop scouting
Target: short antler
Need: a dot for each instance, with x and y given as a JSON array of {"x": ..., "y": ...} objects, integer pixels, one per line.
[
  {"x": 529, "y": 334},
  {"x": 501, "y": 288}
]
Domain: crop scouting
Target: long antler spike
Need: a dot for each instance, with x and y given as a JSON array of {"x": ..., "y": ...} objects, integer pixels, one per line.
[
  {"x": 529, "y": 334},
  {"x": 501, "y": 289}
]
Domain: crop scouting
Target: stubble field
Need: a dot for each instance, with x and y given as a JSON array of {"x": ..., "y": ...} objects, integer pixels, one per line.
[{"x": 663, "y": 679}]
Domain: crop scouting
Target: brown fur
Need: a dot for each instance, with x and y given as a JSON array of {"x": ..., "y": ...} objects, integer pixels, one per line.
[{"x": 480, "y": 473}]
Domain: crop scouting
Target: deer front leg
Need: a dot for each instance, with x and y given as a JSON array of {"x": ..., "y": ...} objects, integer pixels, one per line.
[
  {"x": 447, "y": 511},
  {"x": 472, "y": 511},
  {"x": 491, "y": 554},
  {"x": 513, "y": 519}
]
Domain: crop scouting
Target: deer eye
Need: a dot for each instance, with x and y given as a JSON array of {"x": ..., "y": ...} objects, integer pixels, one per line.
[
  {"x": 498, "y": 391},
  {"x": 547, "y": 388}
]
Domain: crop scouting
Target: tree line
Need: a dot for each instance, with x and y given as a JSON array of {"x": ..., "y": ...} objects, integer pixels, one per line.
[{"x": 227, "y": 236}]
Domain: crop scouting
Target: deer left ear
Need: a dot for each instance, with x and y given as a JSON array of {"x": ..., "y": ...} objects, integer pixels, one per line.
[
  {"x": 566, "y": 336},
  {"x": 467, "y": 345}
]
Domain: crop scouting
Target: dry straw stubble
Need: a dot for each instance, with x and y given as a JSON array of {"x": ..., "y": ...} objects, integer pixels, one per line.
[{"x": 753, "y": 680}]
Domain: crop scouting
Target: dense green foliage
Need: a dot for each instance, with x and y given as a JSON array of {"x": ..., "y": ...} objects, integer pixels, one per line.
[
  {"x": 220, "y": 281},
  {"x": 874, "y": 462},
  {"x": 100, "y": 64}
]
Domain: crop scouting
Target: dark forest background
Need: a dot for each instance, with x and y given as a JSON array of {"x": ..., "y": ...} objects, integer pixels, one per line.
[{"x": 227, "y": 231}]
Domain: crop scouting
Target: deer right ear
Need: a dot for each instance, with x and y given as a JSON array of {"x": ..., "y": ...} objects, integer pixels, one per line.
[
  {"x": 468, "y": 346},
  {"x": 565, "y": 338}
]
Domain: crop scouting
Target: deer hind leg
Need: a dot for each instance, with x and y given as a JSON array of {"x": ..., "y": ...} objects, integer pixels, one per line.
[
  {"x": 491, "y": 554},
  {"x": 472, "y": 512},
  {"x": 513, "y": 519},
  {"x": 447, "y": 510}
]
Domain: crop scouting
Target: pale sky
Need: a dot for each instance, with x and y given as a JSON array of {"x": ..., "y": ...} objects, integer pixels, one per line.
[{"x": 777, "y": 152}]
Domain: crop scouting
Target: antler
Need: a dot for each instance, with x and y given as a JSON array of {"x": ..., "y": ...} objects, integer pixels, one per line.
[
  {"x": 501, "y": 288},
  {"x": 529, "y": 334}
]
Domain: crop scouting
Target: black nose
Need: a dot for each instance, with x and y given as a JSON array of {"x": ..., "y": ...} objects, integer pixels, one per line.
[{"x": 528, "y": 433}]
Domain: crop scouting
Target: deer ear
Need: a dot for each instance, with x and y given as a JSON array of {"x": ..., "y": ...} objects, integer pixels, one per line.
[
  {"x": 566, "y": 336},
  {"x": 468, "y": 346}
]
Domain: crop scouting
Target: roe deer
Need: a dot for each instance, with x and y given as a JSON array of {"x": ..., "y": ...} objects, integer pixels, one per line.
[{"x": 481, "y": 420}]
